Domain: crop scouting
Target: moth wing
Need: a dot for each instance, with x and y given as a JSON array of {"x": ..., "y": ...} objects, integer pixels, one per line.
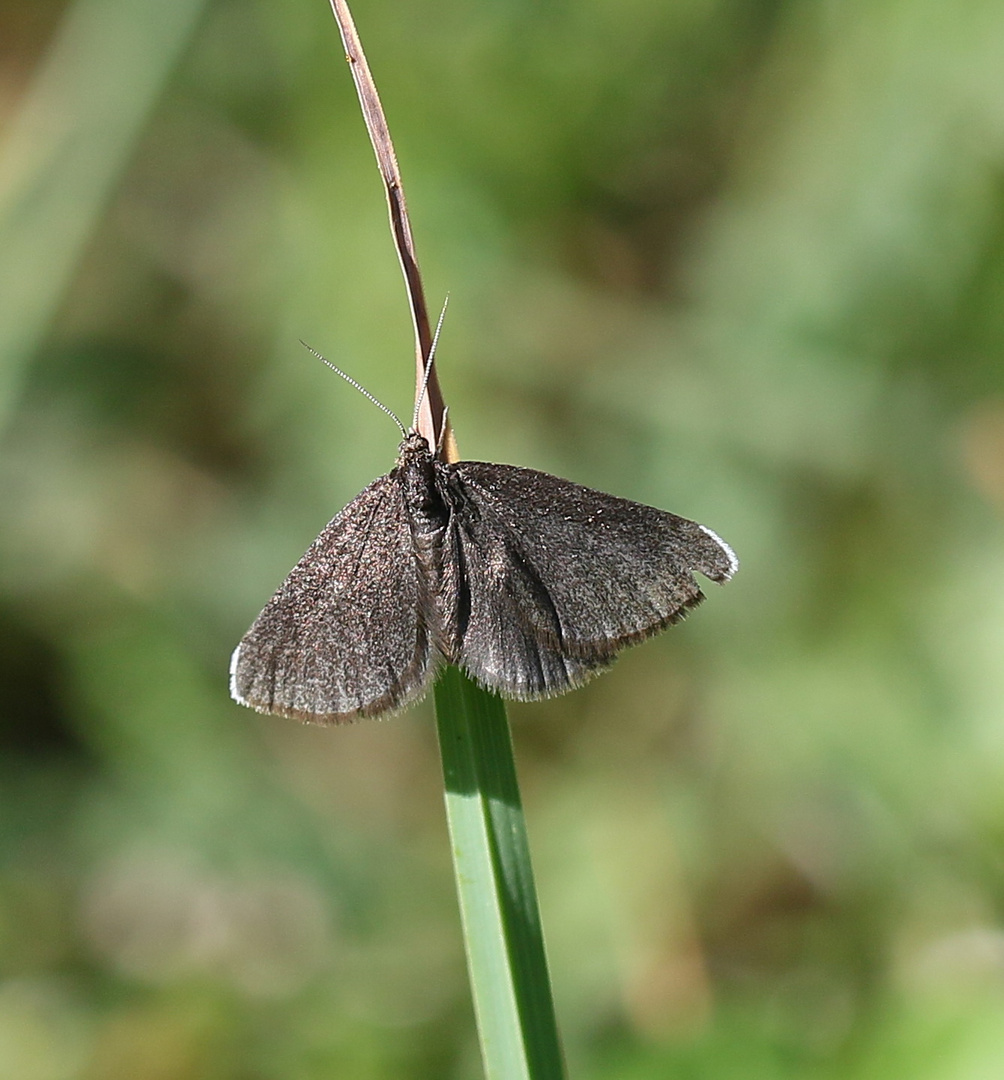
[
  {"x": 561, "y": 577},
  {"x": 343, "y": 637}
]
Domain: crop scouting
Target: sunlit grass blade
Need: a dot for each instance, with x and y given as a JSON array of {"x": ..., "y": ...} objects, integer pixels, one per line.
[{"x": 498, "y": 902}]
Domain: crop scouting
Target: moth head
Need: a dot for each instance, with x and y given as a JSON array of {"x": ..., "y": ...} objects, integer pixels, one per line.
[{"x": 412, "y": 446}]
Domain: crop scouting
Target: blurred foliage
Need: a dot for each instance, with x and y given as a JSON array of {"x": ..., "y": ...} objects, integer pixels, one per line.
[{"x": 741, "y": 259}]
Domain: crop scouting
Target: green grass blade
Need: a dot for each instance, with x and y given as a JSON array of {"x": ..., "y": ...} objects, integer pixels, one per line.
[{"x": 498, "y": 903}]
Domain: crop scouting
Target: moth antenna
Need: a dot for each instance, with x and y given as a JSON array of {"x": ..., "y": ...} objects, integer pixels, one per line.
[
  {"x": 443, "y": 430},
  {"x": 362, "y": 389},
  {"x": 428, "y": 363}
]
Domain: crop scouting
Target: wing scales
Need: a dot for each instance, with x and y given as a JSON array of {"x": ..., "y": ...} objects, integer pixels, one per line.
[
  {"x": 562, "y": 577},
  {"x": 342, "y": 637}
]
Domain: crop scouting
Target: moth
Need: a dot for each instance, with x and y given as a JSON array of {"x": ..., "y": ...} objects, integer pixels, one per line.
[{"x": 529, "y": 583}]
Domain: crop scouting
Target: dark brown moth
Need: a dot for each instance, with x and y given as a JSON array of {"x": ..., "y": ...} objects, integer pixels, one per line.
[{"x": 529, "y": 583}]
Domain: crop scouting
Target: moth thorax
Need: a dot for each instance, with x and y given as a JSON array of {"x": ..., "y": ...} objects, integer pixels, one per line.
[{"x": 427, "y": 512}]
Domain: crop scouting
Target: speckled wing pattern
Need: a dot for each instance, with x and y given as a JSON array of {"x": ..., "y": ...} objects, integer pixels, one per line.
[
  {"x": 560, "y": 578},
  {"x": 342, "y": 637}
]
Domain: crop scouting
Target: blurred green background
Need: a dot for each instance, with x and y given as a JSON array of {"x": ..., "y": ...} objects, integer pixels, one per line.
[{"x": 743, "y": 260}]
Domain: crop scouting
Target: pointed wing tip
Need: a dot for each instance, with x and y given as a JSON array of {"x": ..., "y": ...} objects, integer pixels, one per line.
[
  {"x": 722, "y": 573},
  {"x": 234, "y": 692}
]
